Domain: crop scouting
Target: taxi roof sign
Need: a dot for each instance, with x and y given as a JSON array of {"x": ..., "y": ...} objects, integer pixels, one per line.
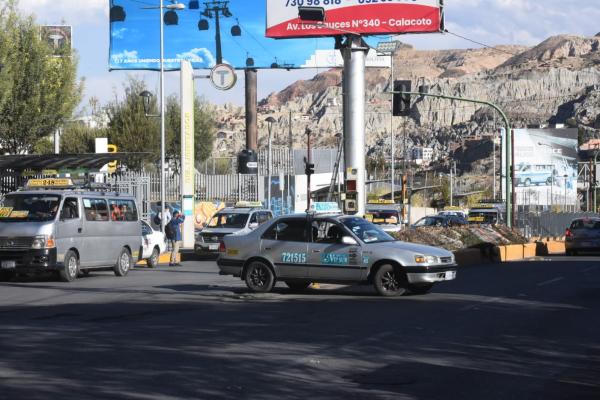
[
  {"x": 381, "y": 201},
  {"x": 49, "y": 183},
  {"x": 325, "y": 207},
  {"x": 248, "y": 204}
]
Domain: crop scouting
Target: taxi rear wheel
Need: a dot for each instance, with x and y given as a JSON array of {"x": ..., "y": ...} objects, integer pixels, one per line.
[
  {"x": 297, "y": 286},
  {"x": 124, "y": 263},
  {"x": 259, "y": 277},
  {"x": 389, "y": 281}
]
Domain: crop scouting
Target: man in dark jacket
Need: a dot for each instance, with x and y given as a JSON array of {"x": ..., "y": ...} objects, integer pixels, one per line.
[{"x": 175, "y": 237}]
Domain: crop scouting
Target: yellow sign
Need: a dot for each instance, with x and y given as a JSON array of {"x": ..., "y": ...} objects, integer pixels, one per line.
[
  {"x": 19, "y": 214},
  {"x": 5, "y": 212},
  {"x": 476, "y": 219},
  {"x": 50, "y": 182},
  {"x": 381, "y": 201}
]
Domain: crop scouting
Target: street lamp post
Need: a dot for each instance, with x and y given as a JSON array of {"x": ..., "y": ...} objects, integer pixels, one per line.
[
  {"x": 270, "y": 122},
  {"x": 146, "y": 96},
  {"x": 388, "y": 49}
]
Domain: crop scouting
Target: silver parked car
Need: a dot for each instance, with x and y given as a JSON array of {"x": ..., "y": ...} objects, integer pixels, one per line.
[
  {"x": 305, "y": 248},
  {"x": 241, "y": 219}
]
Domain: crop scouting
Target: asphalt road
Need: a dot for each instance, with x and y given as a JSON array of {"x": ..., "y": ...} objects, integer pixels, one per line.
[{"x": 515, "y": 331}]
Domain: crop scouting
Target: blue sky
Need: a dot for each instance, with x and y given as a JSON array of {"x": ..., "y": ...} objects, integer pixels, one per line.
[{"x": 526, "y": 22}]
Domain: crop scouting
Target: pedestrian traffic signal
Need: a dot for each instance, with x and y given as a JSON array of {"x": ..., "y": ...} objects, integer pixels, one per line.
[
  {"x": 401, "y": 101},
  {"x": 309, "y": 169}
]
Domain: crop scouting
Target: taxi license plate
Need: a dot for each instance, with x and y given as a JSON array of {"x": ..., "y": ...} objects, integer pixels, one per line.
[
  {"x": 8, "y": 265},
  {"x": 213, "y": 247}
]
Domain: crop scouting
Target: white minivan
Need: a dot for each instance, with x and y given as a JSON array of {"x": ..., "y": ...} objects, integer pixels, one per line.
[{"x": 67, "y": 230}]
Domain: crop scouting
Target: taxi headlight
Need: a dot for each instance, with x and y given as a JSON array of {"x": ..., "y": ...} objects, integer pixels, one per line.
[
  {"x": 43, "y": 242},
  {"x": 419, "y": 259}
]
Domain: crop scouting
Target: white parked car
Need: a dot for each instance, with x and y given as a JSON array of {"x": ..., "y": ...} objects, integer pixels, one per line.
[{"x": 154, "y": 244}]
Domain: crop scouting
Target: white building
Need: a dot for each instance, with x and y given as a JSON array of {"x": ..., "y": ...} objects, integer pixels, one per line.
[{"x": 422, "y": 155}]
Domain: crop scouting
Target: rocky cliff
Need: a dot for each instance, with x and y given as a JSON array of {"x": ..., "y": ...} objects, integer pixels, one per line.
[{"x": 555, "y": 82}]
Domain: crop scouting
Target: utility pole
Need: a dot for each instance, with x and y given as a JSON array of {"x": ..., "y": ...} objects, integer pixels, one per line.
[
  {"x": 217, "y": 9},
  {"x": 451, "y": 187},
  {"x": 309, "y": 170}
]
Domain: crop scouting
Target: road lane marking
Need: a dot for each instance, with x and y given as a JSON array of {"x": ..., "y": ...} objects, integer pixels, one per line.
[
  {"x": 560, "y": 278},
  {"x": 473, "y": 306},
  {"x": 589, "y": 269}
]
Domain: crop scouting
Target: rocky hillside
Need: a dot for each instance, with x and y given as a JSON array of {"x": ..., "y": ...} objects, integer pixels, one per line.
[{"x": 557, "y": 81}]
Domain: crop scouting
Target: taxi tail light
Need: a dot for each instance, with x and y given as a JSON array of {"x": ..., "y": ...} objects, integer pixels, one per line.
[
  {"x": 222, "y": 248},
  {"x": 568, "y": 233}
]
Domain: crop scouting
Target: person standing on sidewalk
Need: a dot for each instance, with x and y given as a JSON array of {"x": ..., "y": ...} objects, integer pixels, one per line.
[{"x": 173, "y": 232}]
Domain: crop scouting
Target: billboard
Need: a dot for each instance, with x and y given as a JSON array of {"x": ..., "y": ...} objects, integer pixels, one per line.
[
  {"x": 135, "y": 38},
  {"x": 545, "y": 165},
  {"x": 365, "y": 17}
]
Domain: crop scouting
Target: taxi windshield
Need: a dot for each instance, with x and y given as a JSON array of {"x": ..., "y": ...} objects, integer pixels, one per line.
[
  {"x": 29, "y": 207},
  {"x": 228, "y": 220},
  {"x": 366, "y": 231}
]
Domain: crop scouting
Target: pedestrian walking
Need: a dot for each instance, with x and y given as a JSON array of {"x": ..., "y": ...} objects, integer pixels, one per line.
[{"x": 173, "y": 232}]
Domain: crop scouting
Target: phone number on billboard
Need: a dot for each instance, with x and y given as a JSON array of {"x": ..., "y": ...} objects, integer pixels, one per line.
[{"x": 296, "y": 3}]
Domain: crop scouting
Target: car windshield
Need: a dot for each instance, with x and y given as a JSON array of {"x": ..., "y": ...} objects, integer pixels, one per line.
[
  {"x": 29, "y": 207},
  {"x": 228, "y": 220},
  {"x": 366, "y": 231}
]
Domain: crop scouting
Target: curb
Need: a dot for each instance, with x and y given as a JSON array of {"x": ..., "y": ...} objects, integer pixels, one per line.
[{"x": 164, "y": 258}]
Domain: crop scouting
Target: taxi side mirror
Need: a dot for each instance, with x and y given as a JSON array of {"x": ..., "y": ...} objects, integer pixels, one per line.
[{"x": 348, "y": 240}]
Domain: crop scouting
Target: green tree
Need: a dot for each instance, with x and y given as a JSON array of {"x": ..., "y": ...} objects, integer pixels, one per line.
[
  {"x": 204, "y": 128},
  {"x": 38, "y": 87},
  {"x": 128, "y": 126}
]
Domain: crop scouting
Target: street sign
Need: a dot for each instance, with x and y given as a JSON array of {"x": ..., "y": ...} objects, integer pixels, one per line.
[
  {"x": 364, "y": 17},
  {"x": 223, "y": 76}
]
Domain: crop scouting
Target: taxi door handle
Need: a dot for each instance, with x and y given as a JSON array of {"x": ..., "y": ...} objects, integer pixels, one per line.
[
  {"x": 316, "y": 251},
  {"x": 268, "y": 248}
]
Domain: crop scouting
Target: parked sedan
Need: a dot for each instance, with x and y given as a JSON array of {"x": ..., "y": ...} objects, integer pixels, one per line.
[
  {"x": 582, "y": 235},
  {"x": 440, "y": 221},
  {"x": 153, "y": 244},
  {"x": 303, "y": 248}
]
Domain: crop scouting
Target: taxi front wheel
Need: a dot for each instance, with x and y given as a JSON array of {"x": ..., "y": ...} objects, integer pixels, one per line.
[
  {"x": 259, "y": 277},
  {"x": 389, "y": 281}
]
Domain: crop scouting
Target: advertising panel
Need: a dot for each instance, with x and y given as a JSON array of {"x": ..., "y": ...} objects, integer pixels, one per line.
[
  {"x": 135, "y": 34},
  {"x": 365, "y": 17},
  {"x": 545, "y": 164}
]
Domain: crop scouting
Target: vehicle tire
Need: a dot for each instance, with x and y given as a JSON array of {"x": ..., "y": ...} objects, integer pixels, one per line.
[
  {"x": 124, "y": 263},
  {"x": 259, "y": 277},
  {"x": 421, "y": 288},
  {"x": 527, "y": 182},
  {"x": 71, "y": 269},
  {"x": 388, "y": 281},
  {"x": 297, "y": 286},
  {"x": 153, "y": 260}
]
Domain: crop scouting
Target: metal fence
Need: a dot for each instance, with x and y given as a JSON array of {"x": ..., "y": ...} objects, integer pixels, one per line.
[{"x": 542, "y": 224}]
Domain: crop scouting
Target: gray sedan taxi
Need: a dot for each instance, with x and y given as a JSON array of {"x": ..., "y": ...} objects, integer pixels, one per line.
[{"x": 304, "y": 248}]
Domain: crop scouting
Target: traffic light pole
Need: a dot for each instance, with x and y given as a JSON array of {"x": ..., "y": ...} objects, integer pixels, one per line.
[
  {"x": 308, "y": 169},
  {"x": 509, "y": 171}
]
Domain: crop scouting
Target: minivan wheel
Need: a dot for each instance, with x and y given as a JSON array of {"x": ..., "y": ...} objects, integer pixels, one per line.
[
  {"x": 71, "y": 269},
  {"x": 259, "y": 277},
  {"x": 124, "y": 263},
  {"x": 388, "y": 281},
  {"x": 153, "y": 260}
]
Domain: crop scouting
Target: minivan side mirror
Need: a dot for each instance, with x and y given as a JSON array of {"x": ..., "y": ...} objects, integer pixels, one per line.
[
  {"x": 253, "y": 225},
  {"x": 349, "y": 240}
]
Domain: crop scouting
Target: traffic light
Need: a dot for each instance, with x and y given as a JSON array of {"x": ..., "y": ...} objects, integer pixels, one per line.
[
  {"x": 401, "y": 102},
  {"x": 309, "y": 169}
]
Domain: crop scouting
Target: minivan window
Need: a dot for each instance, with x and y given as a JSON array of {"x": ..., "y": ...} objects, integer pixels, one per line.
[
  {"x": 122, "y": 210},
  {"x": 70, "y": 209},
  {"x": 95, "y": 209},
  {"x": 29, "y": 207}
]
